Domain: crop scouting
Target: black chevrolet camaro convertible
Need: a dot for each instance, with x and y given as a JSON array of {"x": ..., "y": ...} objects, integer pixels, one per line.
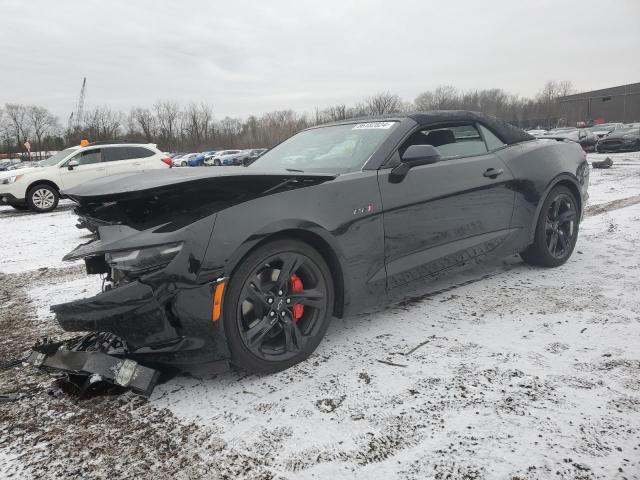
[{"x": 248, "y": 265}]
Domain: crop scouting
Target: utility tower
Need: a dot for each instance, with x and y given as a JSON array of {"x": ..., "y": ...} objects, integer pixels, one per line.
[{"x": 79, "y": 110}]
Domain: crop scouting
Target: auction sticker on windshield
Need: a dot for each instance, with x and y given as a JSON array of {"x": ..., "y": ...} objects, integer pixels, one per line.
[{"x": 372, "y": 125}]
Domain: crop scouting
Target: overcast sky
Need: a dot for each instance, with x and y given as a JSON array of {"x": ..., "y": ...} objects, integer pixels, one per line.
[{"x": 248, "y": 57}]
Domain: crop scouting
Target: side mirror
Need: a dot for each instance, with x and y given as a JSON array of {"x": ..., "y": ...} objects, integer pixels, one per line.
[
  {"x": 414, "y": 156},
  {"x": 421, "y": 155},
  {"x": 72, "y": 164}
]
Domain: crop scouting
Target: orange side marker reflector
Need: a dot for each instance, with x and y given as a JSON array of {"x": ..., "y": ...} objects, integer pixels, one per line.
[{"x": 217, "y": 301}]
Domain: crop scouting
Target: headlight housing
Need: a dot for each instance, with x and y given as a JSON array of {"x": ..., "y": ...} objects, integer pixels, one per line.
[
  {"x": 14, "y": 179},
  {"x": 143, "y": 260}
]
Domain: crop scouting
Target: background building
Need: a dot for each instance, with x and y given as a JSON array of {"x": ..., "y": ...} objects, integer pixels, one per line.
[{"x": 615, "y": 104}]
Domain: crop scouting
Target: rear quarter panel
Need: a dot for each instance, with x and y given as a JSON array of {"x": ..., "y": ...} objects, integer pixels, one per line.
[{"x": 538, "y": 166}]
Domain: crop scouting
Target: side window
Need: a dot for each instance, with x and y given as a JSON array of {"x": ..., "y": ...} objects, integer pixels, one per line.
[
  {"x": 112, "y": 154},
  {"x": 490, "y": 139},
  {"x": 451, "y": 141},
  {"x": 88, "y": 157},
  {"x": 139, "y": 152}
]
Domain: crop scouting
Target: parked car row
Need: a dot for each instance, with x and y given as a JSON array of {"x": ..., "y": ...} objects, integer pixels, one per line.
[
  {"x": 606, "y": 137},
  {"x": 12, "y": 164},
  {"x": 216, "y": 157}
]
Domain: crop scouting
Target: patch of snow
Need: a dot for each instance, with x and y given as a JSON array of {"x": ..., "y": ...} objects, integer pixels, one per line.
[
  {"x": 45, "y": 295},
  {"x": 10, "y": 466},
  {"x": 620, "y": 181},
  {"x": 527, "y": 368},
  {"x": 31, "y": 241}
]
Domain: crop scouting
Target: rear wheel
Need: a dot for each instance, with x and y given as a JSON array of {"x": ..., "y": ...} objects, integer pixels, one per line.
[
  {"x": 216, "y": 162},
  {"x": 556, "y": 230},
  {"x": 42, "y": 198},
  {"x": 278, "y": 306}
]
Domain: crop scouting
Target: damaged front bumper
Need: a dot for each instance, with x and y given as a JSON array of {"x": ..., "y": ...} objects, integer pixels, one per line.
[
  {"x": 156, "y": 302},
  {"x": 84, "y": 358},
  {"x": 168, "y": 326}
]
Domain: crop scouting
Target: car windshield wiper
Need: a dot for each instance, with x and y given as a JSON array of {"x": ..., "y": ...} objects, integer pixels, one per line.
[{"x": 294, "y": 170}]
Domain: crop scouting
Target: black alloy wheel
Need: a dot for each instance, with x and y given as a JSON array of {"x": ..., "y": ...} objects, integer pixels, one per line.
[
  {"x": 556, "y": 230},
  {"x": 278, "y": 306},
  {"x": 560, "y": 225}
]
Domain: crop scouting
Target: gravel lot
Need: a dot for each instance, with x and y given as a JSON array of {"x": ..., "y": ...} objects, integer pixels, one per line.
[{"x": 501, "y": 372}]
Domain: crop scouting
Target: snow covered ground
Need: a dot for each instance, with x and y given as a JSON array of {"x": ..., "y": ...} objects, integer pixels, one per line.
[{"x": 502, "y": 371}]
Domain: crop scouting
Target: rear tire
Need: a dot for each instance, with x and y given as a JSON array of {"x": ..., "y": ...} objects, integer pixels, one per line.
[
  {"x": 278, "y": 306},
  {"x": 42, "y": 198},
  {"x": 556, "y": 230},
  {"x": 216, "y": 163}
]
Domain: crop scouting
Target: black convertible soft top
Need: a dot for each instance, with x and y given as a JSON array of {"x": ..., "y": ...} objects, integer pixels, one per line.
[
  {"x": 508, "y": 133},
  {"x": 505, "y": 131}
]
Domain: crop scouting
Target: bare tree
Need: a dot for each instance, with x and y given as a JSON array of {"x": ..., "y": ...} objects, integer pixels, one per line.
[
  {"x": 102, "y": 123},
  {"x": 547, "y": 100},
  {"x": 43, "y": 123},
  {"x": 18, "y": 123},
  {"x": 144, "y": 118},
  {"x": 197, "y": 123},
  {"x": 167, "y": 115},
  {"x": 383, "y": 103}
]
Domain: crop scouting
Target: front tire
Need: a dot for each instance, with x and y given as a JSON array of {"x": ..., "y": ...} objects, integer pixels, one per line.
[
  {"x": 216, "y": 163},
  {"x": 42, "y": 198},
  {"x": 278, "y": 306},
  {"x": 556, "y": 230}
]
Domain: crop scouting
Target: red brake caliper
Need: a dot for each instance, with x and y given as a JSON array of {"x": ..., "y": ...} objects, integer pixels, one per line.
[{"x": 296, "y": 287}]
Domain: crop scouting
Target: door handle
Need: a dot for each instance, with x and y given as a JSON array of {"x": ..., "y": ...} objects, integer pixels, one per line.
[{"x": 493, "y": 172}]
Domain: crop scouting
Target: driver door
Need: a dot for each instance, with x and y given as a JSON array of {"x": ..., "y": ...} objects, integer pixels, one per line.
[
  {"x": 90, "y": 167},
  {"x": 446, "y": 213}
]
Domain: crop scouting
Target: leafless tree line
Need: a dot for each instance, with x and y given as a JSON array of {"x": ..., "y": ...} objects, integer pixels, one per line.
[
  {"x": 32, "y": 123},
  {"x": 193, "y": 127}
]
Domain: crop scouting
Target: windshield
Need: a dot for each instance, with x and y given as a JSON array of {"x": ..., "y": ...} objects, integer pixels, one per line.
[
  {"x": 335, "y": 149},
  {"x": 55, "y": 159}
]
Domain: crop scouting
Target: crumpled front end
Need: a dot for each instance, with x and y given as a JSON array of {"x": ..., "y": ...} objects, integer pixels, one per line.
[
  {"x": 158, "y": 303},
  {"x": 155, "y": 298}
]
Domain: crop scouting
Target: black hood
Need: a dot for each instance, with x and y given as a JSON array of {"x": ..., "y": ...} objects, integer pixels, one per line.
[
  {"x": 167, "y": 200},
  {"x": 152, "y": 182}
]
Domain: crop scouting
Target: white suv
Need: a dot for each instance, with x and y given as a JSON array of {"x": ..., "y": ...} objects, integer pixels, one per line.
[{"x": 38, "y": 188}]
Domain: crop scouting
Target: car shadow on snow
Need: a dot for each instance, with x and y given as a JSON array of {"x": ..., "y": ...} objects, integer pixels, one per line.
[{"x": 342, "y": 332}]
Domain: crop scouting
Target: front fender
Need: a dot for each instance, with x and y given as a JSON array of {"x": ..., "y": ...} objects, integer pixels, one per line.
[{"x": 292, "y": 226}]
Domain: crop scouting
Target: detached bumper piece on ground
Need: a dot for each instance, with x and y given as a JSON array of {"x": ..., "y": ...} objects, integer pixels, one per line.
[
  {"x": 606, "y": 163},
  {"x": 91, "y": 360}
]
